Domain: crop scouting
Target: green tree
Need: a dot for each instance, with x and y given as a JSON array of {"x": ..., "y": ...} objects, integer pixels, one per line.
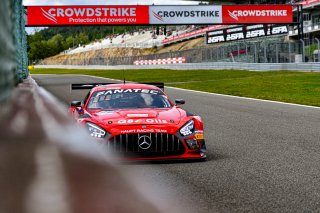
[
  {"x": 70, "y": 42},
  {"x": 82, "y": 38},
  {"x": 56, "y": 44}
]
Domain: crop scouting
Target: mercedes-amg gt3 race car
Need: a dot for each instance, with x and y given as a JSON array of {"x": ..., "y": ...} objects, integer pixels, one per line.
[{"x": 139, "y": 122}]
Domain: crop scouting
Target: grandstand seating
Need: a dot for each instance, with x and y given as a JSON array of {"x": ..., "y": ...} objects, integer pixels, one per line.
[{"x": 144, "y": 39}]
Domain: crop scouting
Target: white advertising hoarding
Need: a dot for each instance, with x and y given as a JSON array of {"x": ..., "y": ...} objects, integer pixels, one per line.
[{"x": 187, "y": 14}]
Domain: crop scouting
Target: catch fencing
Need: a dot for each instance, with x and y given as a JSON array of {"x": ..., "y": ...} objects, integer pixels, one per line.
[
  {"x": 13, "y": 51},
  {"x": 263, "y": 50}
]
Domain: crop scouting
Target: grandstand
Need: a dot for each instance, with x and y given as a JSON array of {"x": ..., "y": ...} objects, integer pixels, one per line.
[{"x": 138, "y": 39}]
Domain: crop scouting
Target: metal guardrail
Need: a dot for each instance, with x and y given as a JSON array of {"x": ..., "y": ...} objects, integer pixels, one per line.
[{"x": 304, "y": 67}]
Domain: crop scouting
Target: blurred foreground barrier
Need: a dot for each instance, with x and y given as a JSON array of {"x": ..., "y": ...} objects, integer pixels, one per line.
[
  {"x": 13, "y": 46},
  {"x": 49, "y": 164},
  {"x": 7, "y": 50}
]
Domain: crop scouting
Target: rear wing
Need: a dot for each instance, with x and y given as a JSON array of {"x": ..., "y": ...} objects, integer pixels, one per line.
[
  {"x": 87, "y": 86},
  {"x": 157, "y": 84},
  {"x": 92, "y": 85}
]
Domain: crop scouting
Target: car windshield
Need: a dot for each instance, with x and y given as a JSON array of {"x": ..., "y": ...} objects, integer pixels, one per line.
[{"x": 128, "y": 98}]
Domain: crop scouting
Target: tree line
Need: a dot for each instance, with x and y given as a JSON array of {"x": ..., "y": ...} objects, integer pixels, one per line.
[{"x": 54, "y": 40}]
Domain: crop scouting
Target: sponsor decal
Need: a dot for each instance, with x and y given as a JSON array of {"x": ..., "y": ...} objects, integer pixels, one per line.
[
  {"x": 120, "y": 91},
  {"x": 105, "y": 113},
  {"x": 187, "y": 14},
  {"x": 257, "y": 14},
  {"x": 132, "y": 131},
  {"x": 84, "y": 15},
  {"x": 157, "y": 16},
  {"x": 137, "y": 121},
  {"x": 49, "y": 16},
  {"x": 137, "y": 115}
]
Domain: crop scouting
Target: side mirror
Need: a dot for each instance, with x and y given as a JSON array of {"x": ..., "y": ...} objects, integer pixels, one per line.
[
  {"x": 76, "y": 103},
  {"x": 180, "y": 101}
]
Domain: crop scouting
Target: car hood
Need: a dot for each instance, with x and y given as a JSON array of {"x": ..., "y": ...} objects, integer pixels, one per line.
[{"x": 138, "y": 116}]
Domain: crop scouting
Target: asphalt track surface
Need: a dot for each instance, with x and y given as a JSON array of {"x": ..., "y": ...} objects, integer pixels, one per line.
[{"x": 262, "y": 156}]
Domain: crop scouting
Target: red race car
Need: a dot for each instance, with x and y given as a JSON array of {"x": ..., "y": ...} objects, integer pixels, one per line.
[{"x": 139, "y": 122}]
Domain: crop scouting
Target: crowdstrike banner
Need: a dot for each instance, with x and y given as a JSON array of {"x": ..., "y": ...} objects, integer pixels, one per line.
[
  {"x": 86, "y": 15},
  {"x": 189, "y": 14},
  {"x": 244, "y": 14},
  {"x": 162, "y": 15}
]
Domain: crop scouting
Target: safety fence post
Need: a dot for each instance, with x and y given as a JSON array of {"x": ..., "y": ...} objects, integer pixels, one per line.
[
  {"x": 303, "y": 46},
  {"x": 318, "y": 49}
]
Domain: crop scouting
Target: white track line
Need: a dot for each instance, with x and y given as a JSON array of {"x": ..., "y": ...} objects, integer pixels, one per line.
[{"x": 244, "y": 98}]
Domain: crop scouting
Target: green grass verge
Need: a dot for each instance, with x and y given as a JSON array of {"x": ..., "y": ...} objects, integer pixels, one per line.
[{"x": 293, "y": 87}]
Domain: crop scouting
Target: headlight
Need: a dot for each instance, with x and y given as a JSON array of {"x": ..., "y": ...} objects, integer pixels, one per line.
[
  {"x": 96, "y": 131},
  {"x": 188, "y": 128}
]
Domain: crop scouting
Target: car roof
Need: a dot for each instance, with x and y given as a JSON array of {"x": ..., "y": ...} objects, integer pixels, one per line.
[{"x": 124, "y": 86}]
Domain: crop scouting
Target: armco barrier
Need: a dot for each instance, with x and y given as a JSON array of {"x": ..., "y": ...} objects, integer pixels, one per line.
[
  {"x": 177, "y": 60},
  {"x": 305, "y": 67}
]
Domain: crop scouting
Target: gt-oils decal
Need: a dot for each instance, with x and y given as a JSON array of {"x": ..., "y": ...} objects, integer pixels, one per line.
[{"x": 135, "y": 121}]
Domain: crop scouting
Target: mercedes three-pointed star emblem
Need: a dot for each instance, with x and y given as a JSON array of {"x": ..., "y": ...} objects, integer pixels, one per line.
[{"x": 144, "y": 142}]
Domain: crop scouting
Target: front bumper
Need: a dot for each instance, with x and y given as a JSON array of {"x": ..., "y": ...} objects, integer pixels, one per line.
[{"x": 163, "y": 146}]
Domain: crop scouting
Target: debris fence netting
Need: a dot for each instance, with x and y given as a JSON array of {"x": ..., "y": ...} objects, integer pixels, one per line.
[{"x": 13, "y": 46}]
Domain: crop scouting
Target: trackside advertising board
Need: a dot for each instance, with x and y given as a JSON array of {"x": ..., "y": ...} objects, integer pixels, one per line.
[
  {"x": 244, "y": 14},
  {"x": 87, "y": 15},
  {"x": 245, "y": 32},
  {"x": 189, "y": 14},
  {"x": 158, "y": 15}
]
